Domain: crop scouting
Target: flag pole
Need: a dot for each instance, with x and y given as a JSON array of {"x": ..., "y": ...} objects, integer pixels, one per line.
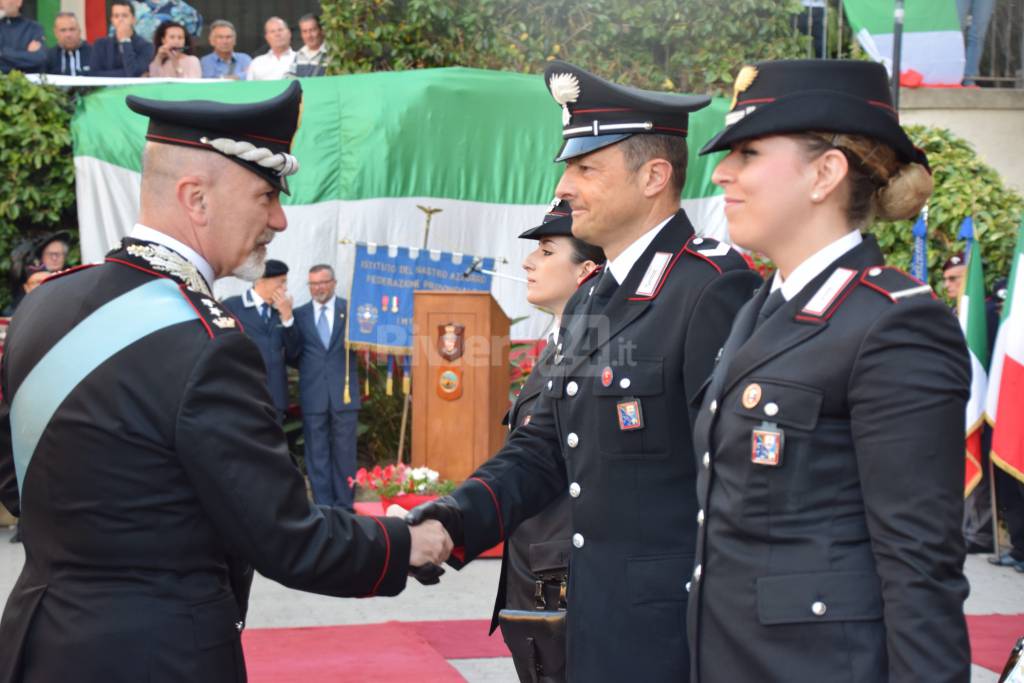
[
  {"x": 997, "y": 547},
  {"x": 897, "y": 53},
  {"x": 429, "y": 211}
]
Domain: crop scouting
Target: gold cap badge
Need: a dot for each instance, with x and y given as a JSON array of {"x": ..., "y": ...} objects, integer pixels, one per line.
[{"x": 744, "y": 79}]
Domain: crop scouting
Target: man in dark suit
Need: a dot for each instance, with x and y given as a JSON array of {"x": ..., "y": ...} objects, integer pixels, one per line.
[
  {"x": 138, "y": 443},
  {"x": 71, "y": 56},
  {"x": 328, "y": 390},
  {"x": 613, "y": 424},
  {"x": 125, "y": 54},
  {"x": 265, "y": 311}
]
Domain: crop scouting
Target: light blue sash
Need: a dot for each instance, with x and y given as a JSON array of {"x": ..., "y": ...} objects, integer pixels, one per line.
[{"x": 112, "y": 327}]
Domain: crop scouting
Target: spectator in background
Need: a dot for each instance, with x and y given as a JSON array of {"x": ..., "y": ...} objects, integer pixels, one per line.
[
  {"x": 224, "y": 62},
  {"x": 265, "y": 312},
  {"x": 311, "y": 59},
  {"x": 277, "y": 62},
  {"x": 71, "y": 55},
  {"x": 325, "y": 370},
  {"x": 980, "y": 12},
  {"x": 811, "y": 22},
  {"x": 125, "y": 54},
  {"x": 152, "y": 13},
  {"x": 953, "y": 272},
  {"x": 173, "y": 43},
  {"x": 52, "y": 251},
  {"x": 21, "y": 40},
  {"x": 34, "y": 276}
]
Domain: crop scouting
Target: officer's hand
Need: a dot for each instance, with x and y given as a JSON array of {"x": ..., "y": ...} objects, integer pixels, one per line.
[
  {"x": 430, "y": 546},
  {"x": 445, "y": 510}
]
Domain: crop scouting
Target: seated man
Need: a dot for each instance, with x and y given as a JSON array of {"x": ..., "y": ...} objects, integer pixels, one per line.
[
  {"x": 125, "y": 54},
  {"x": 71, "y": 55},
  {"x": 224, "y": 62},
  {"x": 265, "y": 311},
  {"x": 21, "y": 40}
]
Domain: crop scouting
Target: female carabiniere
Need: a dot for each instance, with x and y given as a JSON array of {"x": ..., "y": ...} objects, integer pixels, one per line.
[{"x": 831, "y": 436}]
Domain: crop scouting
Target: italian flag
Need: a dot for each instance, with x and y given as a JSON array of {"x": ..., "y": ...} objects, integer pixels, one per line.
[
  {"x": 92, "y": 15},
  {"x": 375, "y": 148},
  {"x": 972, "y": 321},
  {"x": 1005, "y": 401},
  {"x": 933, "y": 45}
]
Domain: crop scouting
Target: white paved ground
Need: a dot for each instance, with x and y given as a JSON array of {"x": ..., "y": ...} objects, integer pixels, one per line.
[{"x": 469, "y": 594}]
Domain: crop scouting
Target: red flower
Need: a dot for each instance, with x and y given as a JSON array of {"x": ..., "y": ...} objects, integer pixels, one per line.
[{"x": 389, "y": 473}]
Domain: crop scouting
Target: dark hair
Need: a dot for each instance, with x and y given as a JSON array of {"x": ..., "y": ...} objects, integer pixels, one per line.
[
  {"x": 119, "y": 3},
  {"x": 639, "y": 149},
  {"x": 163, "y": 28},
  {"x": 582, "y": 252},
  {"x": 311, "y": 17}
]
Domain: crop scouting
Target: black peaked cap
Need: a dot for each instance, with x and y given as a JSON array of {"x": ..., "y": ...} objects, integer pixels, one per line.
[
  {"x": 597, "y": 113},
  {"x": 269, "y": 124},
  {"x": 799, "y": 95},
  {"x": 557, "y": 221}
]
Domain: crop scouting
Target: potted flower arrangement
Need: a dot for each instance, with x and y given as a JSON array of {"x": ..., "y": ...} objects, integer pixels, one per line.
[{"x": 403, "y": 485}]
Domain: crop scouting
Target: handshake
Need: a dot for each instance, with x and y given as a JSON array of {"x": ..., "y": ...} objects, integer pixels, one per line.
[{"x": 435, "y": 529}]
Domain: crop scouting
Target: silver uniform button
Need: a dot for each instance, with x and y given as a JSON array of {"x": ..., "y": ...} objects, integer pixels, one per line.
[
  {"x": 696, "y": 573},
  {"x": 874, "y": 272},
  {"x": 698, "y": 241},
  {"x": 771, "y": 409},
  {"x": 688, "y": 584},
  {"x": 574, "y": 490},
  {"x": 624, "y": 383},
  {"x": 713, "y": 407},
  {"x": 700, "y": 518},
  {"x": 577, "y": 540},
  {"x": 550, "y": 384},
  {"x": 706, "y": 459},
  {"x": 571, "y": 388},
  {"x": 572, "y": 440},
  {"x": 819, "y": 608}
]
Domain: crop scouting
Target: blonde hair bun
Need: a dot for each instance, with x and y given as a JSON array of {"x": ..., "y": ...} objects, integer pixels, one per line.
[{"x": 906, "y": 193}]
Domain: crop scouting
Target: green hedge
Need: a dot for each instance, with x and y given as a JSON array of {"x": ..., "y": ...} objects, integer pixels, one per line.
[
  {"x": 964, "y": 186},
  {"x": 37, "y": 163}
]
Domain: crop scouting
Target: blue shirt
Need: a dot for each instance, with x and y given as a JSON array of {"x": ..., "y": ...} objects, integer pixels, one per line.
[{"x": 215, "y": 67}]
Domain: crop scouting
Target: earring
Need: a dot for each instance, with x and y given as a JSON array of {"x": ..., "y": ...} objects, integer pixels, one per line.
[{"x": 815, "y": 197}]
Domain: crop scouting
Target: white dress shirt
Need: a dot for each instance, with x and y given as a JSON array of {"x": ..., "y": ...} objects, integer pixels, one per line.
[
  {"x": 253, "y": 300},
  {"x": 270, "y": 67},
  {"x": 624, "y": 262},
  {"x": 813, "y": 266},
  {"x": 329, "y": 307},
  {"x": 142, "y": 232}
]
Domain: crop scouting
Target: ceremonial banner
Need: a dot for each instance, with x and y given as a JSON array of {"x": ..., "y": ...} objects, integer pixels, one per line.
[
  {"x": 1005, "y": 401},
  {"x": 971, "y": 310},
  {"x": 919, "y": 256},
  {"x": 383, "y": 282},
  {"x": 933, "y": 44},
  {"x": 479, "y": 145}
]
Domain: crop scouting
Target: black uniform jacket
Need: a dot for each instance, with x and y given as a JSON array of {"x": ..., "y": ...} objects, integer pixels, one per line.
[
  {"x": 843, "y": 562},
  {"x": 160, "y": 464},
  {"x": 540, "y": 546},
  {"x": 647, "y": 354}
]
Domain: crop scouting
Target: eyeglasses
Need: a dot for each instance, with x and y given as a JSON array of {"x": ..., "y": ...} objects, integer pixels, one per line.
[{"x": 321, "y": 283}]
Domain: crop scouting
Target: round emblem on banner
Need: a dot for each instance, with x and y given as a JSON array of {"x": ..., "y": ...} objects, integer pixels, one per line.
[
  {"x": 606, "y": 377},
  {"x": 751, "y": 395}
]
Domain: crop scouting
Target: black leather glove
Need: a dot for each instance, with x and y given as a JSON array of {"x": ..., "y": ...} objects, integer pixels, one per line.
[
  {"x": 428, "y": 574},
  {"x": 445, "y": 510}
]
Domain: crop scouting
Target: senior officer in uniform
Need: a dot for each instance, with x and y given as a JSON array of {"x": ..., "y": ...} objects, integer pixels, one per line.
[
  {"x": 613, "y": 425},
  {"x": 831, "y": 436},
  {"x": 535, "y": 567},
  {"x": 139, "y": 443}
]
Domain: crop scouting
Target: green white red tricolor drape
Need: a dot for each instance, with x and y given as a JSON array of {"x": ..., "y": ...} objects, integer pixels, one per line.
[
  {"x": 92, "y": 15},
  {"x": 972, "y": 320},
  {"x": 1005, "y": 402}
]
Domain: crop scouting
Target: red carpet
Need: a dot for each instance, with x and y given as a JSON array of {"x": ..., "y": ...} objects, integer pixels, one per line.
[
  {"x": 394, "y": 652},
  {"x": 992, "y": 638},
  {"x": 398, "y": 652}
]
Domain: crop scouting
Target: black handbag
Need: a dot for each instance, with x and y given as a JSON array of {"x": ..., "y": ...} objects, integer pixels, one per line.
[{"x": 537, "y": 641}]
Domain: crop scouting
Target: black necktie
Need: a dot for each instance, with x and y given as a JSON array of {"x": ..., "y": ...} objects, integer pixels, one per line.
[
  {"x": 265, "y": 313},
  {"x": 770, "y": 305},
  {"x": 603, "y": 291}
]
